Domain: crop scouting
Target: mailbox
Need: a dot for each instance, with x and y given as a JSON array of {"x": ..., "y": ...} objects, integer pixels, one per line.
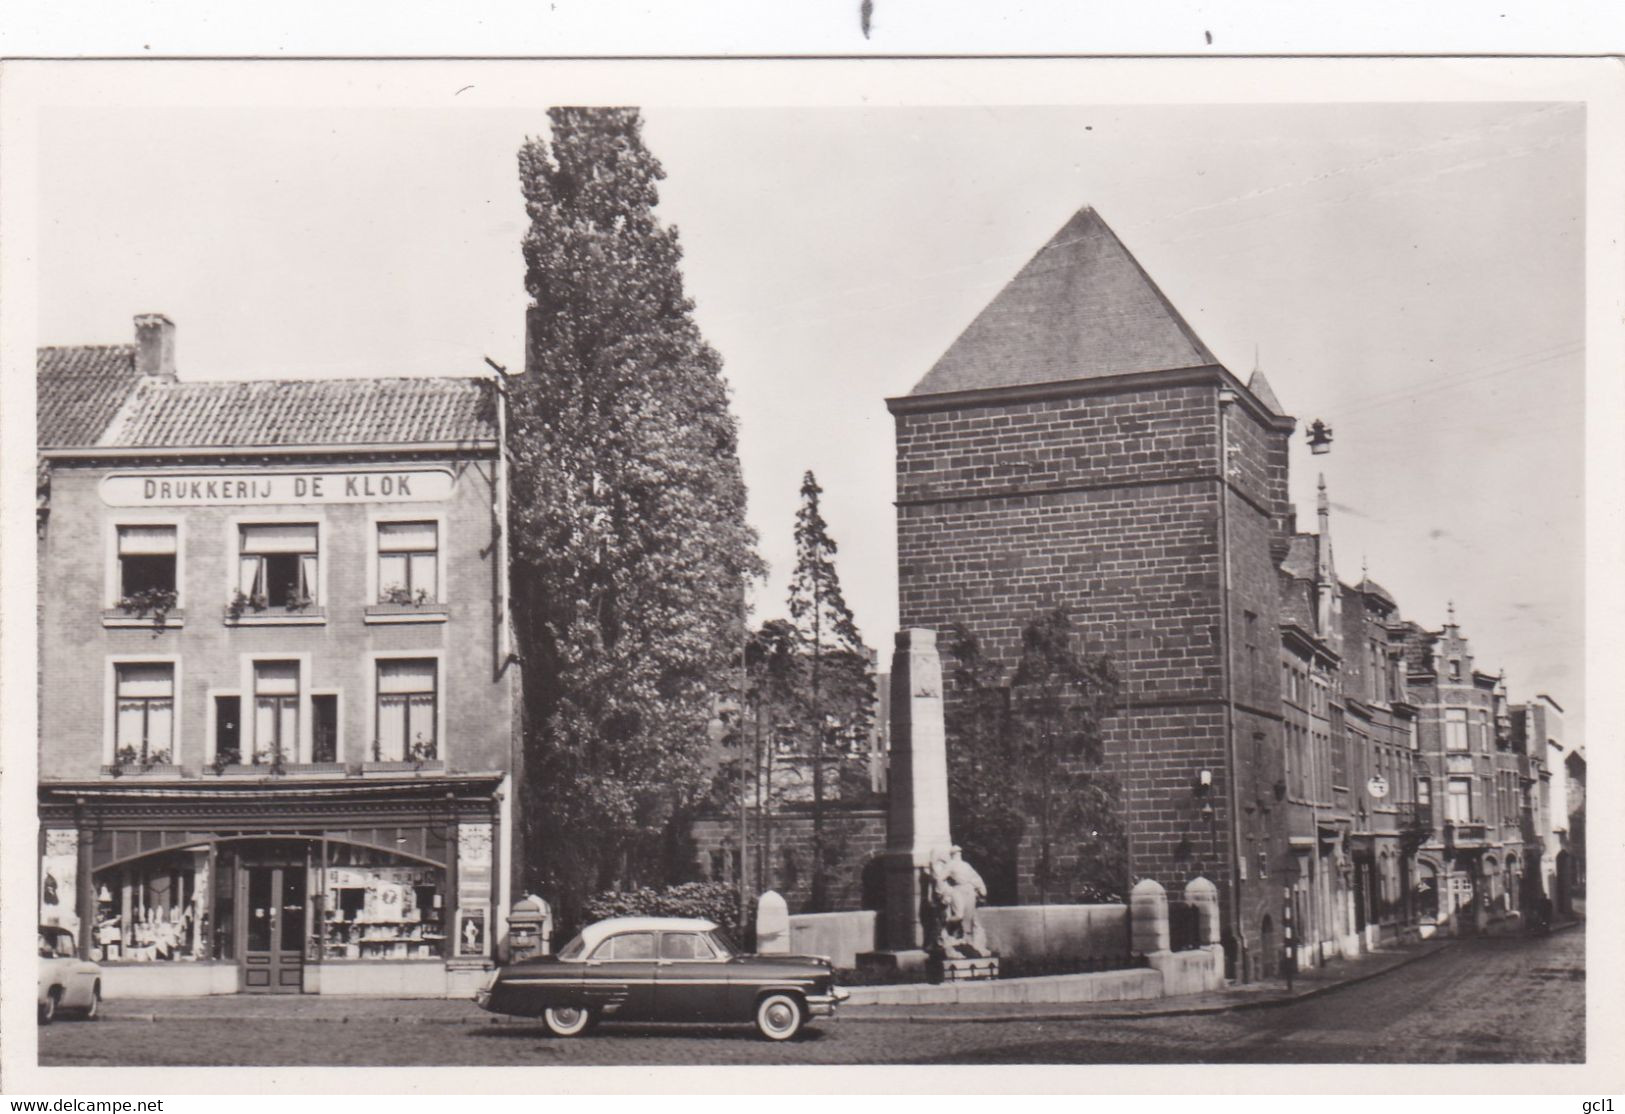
[{"x": 530, "y": 928}]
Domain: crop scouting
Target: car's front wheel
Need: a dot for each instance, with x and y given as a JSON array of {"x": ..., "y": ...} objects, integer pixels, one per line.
[
  {"x": 778, "y": 1017},
  {"x": 567, "y": 1021}
]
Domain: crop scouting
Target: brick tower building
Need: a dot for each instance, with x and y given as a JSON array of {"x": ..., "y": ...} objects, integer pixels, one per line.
[{"x": 1078, "y": 445}]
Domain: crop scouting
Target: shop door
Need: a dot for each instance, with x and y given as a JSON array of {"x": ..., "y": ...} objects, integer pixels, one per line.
[{"x": 271, "y": 905}]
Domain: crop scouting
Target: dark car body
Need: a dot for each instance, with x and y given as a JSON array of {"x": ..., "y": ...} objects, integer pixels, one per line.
[{"x": 660, "y": 969}]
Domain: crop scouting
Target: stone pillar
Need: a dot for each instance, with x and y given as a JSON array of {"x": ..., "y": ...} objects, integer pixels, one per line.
[
  {"x": 917, "y": 824},
  {"x": 772, "y": 925},
  {"x": 1148, "y": 917},
  {"x": 1205, "y": 896}
]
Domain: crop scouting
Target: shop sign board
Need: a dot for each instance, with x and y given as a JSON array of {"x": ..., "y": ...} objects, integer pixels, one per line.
[{"x": 255, "y": 487}]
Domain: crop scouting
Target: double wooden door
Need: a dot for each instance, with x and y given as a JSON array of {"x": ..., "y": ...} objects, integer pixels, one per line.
[{"x": 271, "y": 898}]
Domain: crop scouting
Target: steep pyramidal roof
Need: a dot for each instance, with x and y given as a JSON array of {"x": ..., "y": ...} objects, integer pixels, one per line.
[{"x": 1081, "y": 308}]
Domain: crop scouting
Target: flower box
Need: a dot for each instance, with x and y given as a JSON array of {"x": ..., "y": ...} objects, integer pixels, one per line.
[
  {"x": 157, "y": 770},
  {"x": 428, "y": 766},
  {"x": 405, "y": 613},
  {"x": 279, "y": 617},
  {"x": 117, "y": 617}
]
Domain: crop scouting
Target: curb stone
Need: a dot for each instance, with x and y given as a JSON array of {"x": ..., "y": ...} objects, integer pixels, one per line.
[{"x": 856, "y": 1013}]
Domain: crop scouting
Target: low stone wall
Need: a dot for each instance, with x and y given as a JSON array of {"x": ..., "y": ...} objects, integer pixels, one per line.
[
  {"x": 838, "y": 937},
  {"x": 1107, "y": 986},
  {"x": 1056, "y": 931},
  {"x": 1189, "y": 972}
]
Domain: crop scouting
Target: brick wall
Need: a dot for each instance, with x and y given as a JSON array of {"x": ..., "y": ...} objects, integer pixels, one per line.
[
  {"x": 76, "y": 648},
  {"x": 855, "y": 835}
]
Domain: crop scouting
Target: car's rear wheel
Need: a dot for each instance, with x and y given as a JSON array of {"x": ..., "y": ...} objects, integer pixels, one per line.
[
  {"x": 779, "y": 1017},
  {"x": 94, "y": 1010},
  {"x": 567, "y": 1021},
  {"x": 47, "y": 1008}
]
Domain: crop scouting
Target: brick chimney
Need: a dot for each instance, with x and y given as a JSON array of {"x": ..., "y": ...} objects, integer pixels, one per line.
[{"x": 154, "y": 345}]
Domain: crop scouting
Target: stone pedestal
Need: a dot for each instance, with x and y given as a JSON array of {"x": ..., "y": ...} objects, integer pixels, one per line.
[
  {"x": 772, "y": 925},
  {"x": 917, "y": 823}
]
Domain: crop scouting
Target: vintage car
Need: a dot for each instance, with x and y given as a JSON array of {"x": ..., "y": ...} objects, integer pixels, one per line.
[
  {"x": 663, "y": 969},
  {"x": 66, "y": 982}
]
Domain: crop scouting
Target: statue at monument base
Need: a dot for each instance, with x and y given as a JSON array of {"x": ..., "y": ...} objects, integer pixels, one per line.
[{"x": 953, "y": 888}]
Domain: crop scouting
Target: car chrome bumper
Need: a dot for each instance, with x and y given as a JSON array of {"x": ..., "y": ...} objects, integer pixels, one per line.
[{"x": 823, "y": 1005}]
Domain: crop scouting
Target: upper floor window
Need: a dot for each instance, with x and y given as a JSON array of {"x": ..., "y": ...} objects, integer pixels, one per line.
[
  {"x": 276, "y": 711},
  {"x": 408, "y": 562},
  {"x": 147, "y": 558},
  {"x": 144, "y": 729},
  {"x": 1483, "y": 730},
  {"x": 408, "y": 700},
  {"x": 1459, "y": 802},
  {"x": 1455, "y": 669},
  {"x": 1455, "y": 729},
  {"x": 277, "y": 564}
]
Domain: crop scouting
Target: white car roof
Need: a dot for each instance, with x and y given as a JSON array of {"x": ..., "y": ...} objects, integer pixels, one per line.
[{"x": 595, "y": 933}]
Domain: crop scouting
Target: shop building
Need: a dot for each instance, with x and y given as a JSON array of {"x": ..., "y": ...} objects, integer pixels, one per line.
[{"x": 277, "y": 698}]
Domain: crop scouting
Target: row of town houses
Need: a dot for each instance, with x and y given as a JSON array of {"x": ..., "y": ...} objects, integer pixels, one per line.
[{"x": 278, "y": 741}]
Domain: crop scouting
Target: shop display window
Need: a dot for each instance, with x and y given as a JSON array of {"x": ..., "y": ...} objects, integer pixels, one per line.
[
  {"x": 153, "y": 910},
  {"x": 378, "y": 906}
]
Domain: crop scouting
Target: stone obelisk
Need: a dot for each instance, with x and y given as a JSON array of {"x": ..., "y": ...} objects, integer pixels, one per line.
[{"x": 917, "y": 825}]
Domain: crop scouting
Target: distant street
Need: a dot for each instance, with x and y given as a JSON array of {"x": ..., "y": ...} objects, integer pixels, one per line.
[{"x": 1502, "y": 1000}]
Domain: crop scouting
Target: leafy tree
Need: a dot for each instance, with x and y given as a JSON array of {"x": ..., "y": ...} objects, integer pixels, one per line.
[
  {"x": 1058, "y": 698},
  {"x": 1025, "y": 761},
  {"x": 983, "y": 792},
  {"x": 840, "y": 686},
  {"x": 629, "y": 542}
]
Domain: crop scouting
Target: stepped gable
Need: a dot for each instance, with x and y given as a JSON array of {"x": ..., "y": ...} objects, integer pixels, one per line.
[
  {"x": 1082, "y": 308},
  {"x": 78, "y": 390}
]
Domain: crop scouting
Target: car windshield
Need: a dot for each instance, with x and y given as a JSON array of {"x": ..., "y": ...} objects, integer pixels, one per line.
[
  {"x": 52, "y": 944},
  {"x": 572, "y": 950},
  {"x": 725, "y": 947}
]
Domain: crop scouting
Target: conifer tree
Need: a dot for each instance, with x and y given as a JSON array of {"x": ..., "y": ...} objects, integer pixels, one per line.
[
  {"x": 629, "y": 544},
  {"x": 840, "y": 682}
]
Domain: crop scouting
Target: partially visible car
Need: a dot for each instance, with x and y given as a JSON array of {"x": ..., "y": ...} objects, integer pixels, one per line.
[
  {"x": 663, "y": 969},
  {"x": 66, "y": 982}
]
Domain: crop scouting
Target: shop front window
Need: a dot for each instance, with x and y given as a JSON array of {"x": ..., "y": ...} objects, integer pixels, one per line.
[
  {"x": 379, "y": 906},
  {"x": 153, "y": 910}
]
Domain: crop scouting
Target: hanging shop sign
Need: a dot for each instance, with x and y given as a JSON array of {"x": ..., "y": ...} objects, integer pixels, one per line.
[{"x": 212, "y": 489}]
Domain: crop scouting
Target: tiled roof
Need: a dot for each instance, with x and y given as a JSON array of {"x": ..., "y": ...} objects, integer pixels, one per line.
[
  {"x": 78, "y": 390},
  {"x": 1260, "y": 387},
  {"x": 1080, "y": 309},
  {"x": 315, "y": 412}
]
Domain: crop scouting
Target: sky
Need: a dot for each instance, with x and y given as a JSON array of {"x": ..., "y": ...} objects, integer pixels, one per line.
[{"x": 1412, "y": 274}]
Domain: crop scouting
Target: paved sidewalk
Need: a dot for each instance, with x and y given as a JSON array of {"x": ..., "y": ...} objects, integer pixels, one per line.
[{"x": 441, "y": 1011}]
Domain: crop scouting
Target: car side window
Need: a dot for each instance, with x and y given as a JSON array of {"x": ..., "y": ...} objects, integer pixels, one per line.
[
  {"x": 684, "y": 945},
  {"x": 632, "y": 945}
]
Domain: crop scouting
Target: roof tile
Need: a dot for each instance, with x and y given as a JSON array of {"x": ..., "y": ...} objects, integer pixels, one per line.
[{"x": 78, "y": 391}]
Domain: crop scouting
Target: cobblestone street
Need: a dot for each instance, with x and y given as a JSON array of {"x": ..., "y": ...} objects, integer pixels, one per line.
[{"x": 1499, "y": 1000}]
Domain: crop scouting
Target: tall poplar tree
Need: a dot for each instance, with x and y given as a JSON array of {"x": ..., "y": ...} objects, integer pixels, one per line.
[
  {"x": 629, "y": 544},
  {"x": 840, "y": 682}
]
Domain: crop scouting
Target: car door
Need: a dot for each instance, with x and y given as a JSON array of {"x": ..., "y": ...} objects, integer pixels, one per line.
[
  {"x": 691, "y": 979},
  {"x": 620, "y": 976}
]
